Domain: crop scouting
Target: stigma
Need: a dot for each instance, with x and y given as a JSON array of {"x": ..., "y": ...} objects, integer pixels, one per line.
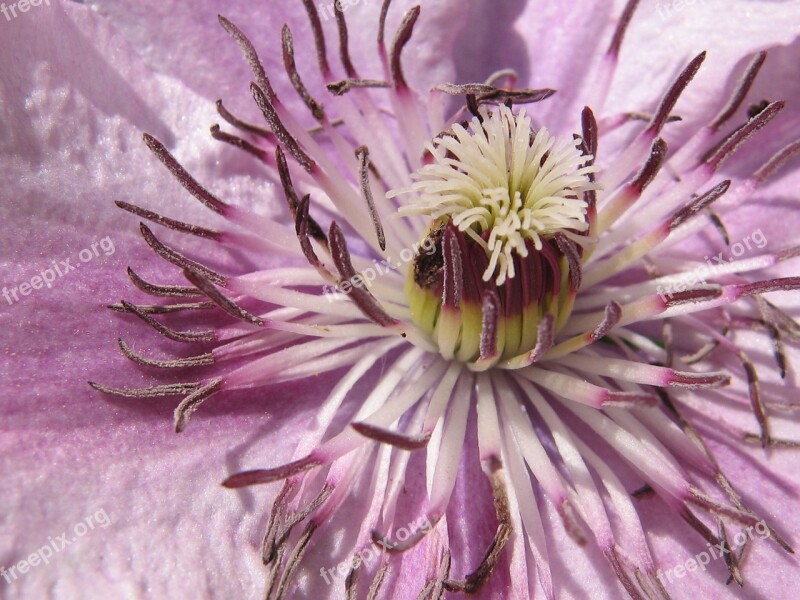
[{"x": 507, "y": 208}]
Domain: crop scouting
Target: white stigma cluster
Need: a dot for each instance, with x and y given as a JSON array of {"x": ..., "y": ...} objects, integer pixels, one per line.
[{"x": 503, "y": 177}]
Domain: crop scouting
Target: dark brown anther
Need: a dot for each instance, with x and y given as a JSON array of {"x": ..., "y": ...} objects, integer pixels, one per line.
[
  {"x": 344, "y": 44},
  {"x": 453, "y": 267},
  {"x": 490, "y": 322},
  {"x": 740, "y": 92},
  {"x": 301, "y": 226},
  {"x": 339, "y": 88},
  {"x": 651, "y": 167},
  {"x": 164, "y": 309},
  {"x": 187, "y": 337},
  {"x": 183, "y": 177},
  {"x": 671, "y": 97},
  {"x": 401, "y": 38},
  {"x": 192, "y": 402},
  {"x": 784, "y": 284},
  {"x": 571, "y": 252},
  {"x": 778, "y": 160},
  {"x": 699, "y": 204},
  {"x": 172, "y": 389},
  {"x": 716, "y": 221},
  {"x": 392, "y": 438},
  {"x": 242, "y": 125},
  {"x": 169, "y": 223},
  {"x": 293, "y": 201},
  {"x": 622, "y": 27},
  {"x": 277, "y": 126},
  {"x": 179, "y": 363},
  {"x": 692, "y": 296},
  {"x": 590, "y": 134},
  {"x": 163, "y": 291},
  {"x": 362, "y": 153},
  {"x": 294, "y": 76},
  {"x": 250, "y": 54},
  {"x": 294, "y": 560},
  {"x": 382, "y": 27},
  {"x": 717, "y": 156},
  {"x": 545, "y": 338},
  {"x": 613, "y": 314},
  {"x": 238, "y": 142},
  {"x": 488, "y": 94},
  {"x": 359, "y": 294},
  {"x": 178, "y": 259},
  {"x": 261, "y": 476},
  {"x": 218, "y": 298},
  {"x": 319, "y": 36}
]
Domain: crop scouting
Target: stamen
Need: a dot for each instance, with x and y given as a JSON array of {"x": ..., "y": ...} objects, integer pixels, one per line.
[
  {"x": 362, "y": 152},
  {"x": 159, "y": 309},
  {"x": 283, "y": 135},
  {"x": 238, "y": 142},
  {"x": 622, "y": 26},
  {"x": 294, "y": 76},
  {"x": 164, "y": 291},
  {"x": 250, "y": 54},
  {"x": 739, "y": 137},
  {"x": 570, "y": 251},
  {"x": 403, "y": 35},
  {"x": 178, "y": 259},
  {"x": 590, "y": 133},
  {"x": 192, "y": 361},
  {"x": 242, "y": 125},
  {"x": 778, "y": 160},
  {"x": 339, "y": 88},
  {"x": 699, "y": 204},
  {"x": 261, "y": 476},
  {"x": 192, "y": 402},
  {"x": 344, "y": 48},
  {"x": 172, "y": 389},
  {"x": 392, "y": 438},
  {"x": 293, "y": 200},
  {"x": 295, "y": 558},
  {"x": 187, "y": 337},
  {"x": 229, "y": 306},
  {"x": 382, "y": 28},
  {"x": 362, "y": 297},
  {"x": 302, "y": 225},
  {"x": 674, "y": 92},
  {"x": 319, "y": 36},
  {"x": 740, "y": 92},
  {"x": 183, "y": 177},
  {"x": 169, "y": 223},
  {"x": 486, "y": 93}
]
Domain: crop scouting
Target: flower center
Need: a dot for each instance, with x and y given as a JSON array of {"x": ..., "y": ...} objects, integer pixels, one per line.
[{"x": 509, "y": 221}]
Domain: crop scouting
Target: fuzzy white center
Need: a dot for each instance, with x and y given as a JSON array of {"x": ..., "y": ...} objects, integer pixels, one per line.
[{"x": 501, "y": 176}]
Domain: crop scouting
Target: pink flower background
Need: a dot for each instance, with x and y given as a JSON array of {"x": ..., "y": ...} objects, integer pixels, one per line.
[{"x": 79, "y": 83}]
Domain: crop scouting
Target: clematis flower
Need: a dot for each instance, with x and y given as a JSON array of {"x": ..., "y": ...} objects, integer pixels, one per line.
[{"x": 519, "y": 336}]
